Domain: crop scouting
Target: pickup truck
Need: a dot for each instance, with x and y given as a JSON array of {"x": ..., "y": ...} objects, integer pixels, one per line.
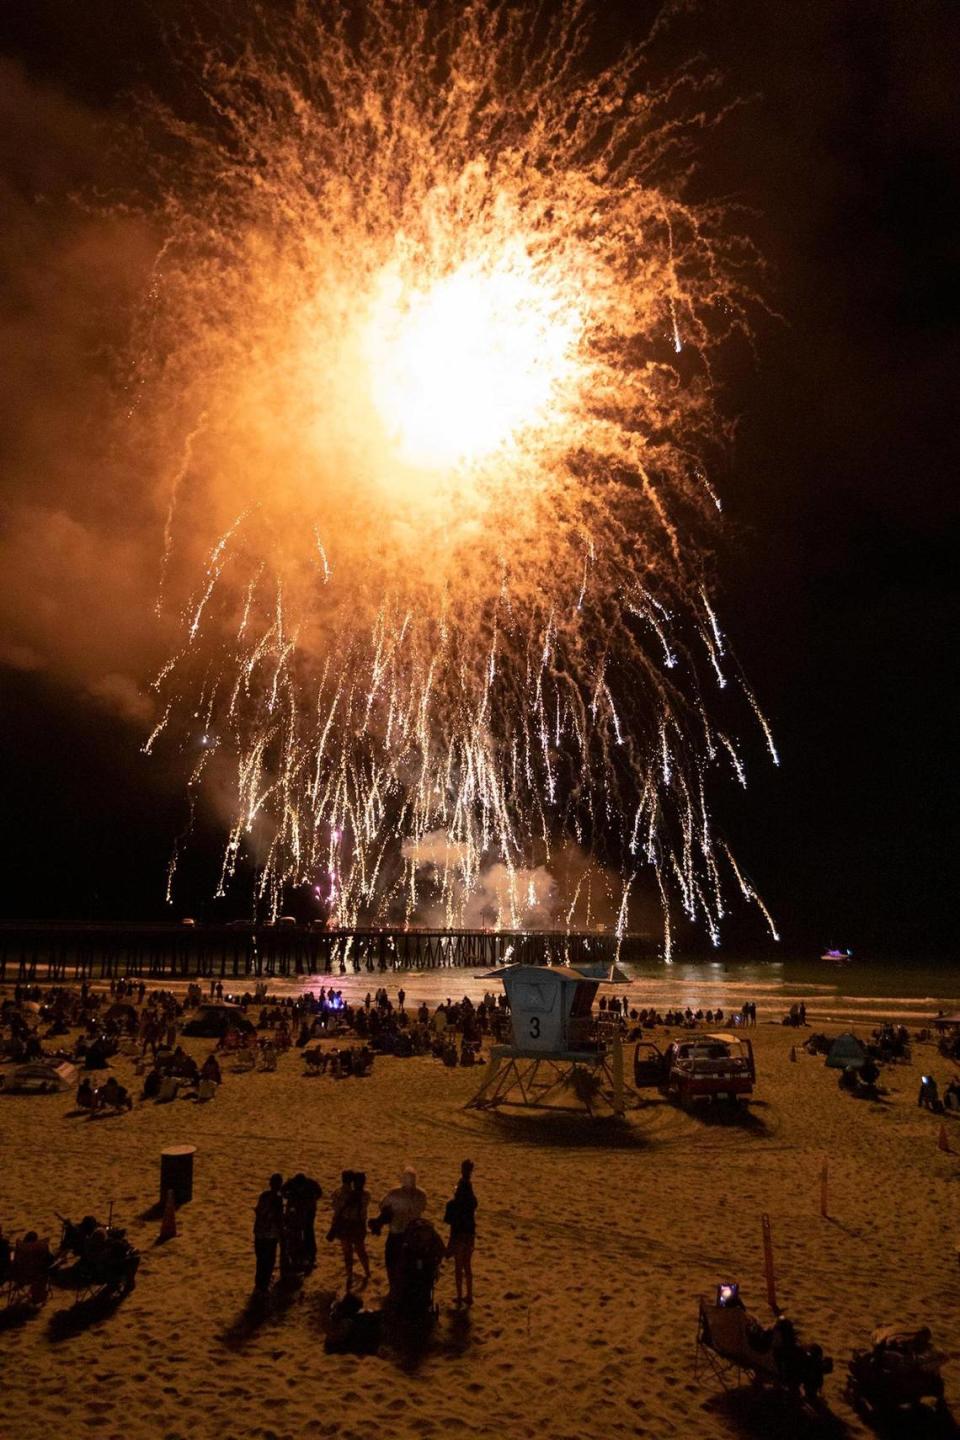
[{"x": 705, "y": 1067}]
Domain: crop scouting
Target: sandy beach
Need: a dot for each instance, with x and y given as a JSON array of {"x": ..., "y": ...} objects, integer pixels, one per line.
[{"x": 595, "y": 1240}]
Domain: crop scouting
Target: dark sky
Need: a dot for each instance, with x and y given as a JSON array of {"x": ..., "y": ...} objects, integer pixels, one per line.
[{"x": 839, "y": 588}]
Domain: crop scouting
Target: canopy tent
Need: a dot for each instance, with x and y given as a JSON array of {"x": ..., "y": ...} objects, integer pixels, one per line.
[{"x": 845, "y": 1051}]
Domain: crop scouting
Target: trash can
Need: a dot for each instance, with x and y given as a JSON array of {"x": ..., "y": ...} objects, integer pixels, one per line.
[{"x": 176, "y": 1173}]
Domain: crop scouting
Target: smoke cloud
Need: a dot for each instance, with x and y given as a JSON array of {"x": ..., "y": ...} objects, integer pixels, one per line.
[{"x": 78, "y": 523}]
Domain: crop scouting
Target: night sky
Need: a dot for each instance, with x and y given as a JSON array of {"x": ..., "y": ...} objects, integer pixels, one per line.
[{"x": 838, "y": 582}]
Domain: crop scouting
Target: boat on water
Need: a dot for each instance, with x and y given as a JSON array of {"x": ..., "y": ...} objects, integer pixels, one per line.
[{"x": 838, "y": 957}]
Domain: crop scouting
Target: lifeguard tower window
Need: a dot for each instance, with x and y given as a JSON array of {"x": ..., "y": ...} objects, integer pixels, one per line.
[
  {"x": 583, "y": 1000},
  {"x": 540, "y": 998}
]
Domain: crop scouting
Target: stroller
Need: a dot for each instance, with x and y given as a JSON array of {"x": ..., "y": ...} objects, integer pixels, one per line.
[
  {"x": 417, "y": 1269},
  {"x": 899, "y": 1372},
  {"x": 731, "y": 1341}
]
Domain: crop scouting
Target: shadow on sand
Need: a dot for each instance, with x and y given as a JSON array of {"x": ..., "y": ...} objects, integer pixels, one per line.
[
  {"x": 410, "y": 1349},
  {"x": 74, "y": 1319},
  {"x": 569, "y": 1129},
  {"x": 922, "y": 1422},
  {"x": 747, "y": 1118},
  {"x": 13, "y": 1316},
  {"x": 761, "y": 1413},
  {"x": 261, "y": 1311}
]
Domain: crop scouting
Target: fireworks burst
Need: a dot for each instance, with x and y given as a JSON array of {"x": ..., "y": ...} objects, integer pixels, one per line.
[{"x": 433, "y": 324}]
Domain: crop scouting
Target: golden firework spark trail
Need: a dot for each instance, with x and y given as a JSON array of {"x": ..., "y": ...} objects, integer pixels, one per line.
[{"x": 427, "y": 358}]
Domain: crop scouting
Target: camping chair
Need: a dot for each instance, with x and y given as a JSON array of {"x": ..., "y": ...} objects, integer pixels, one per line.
[
  {"x": 269, "y": 1059},
  {"x": 732, "y": 1342},
  {"x": 28, "y": 1280},
  {"x": 245, "y": 1062},
  {"x": 108, "y": 1266},
  {"x": 724, "y": 1345}
]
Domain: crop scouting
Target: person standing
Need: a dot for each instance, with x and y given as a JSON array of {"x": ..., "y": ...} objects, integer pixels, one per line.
[
  {"x": 267, "y": 1230},
  {"x": 350, "y": 1206},
  {"x": 461, "y": 1216},
  {"x": 299, "y": 1252},
  {"x": 402, "y": 1205}
]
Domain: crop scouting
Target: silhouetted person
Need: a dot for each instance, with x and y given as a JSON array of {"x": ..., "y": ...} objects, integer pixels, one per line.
[
  {"x": 401, "y": 1206},
  {"x": 267, "y": 1231},
  {"x": 460, "y": 1215}
]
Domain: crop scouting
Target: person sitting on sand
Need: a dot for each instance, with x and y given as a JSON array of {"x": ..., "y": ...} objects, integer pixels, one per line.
[
  {"x": 351, "y": 1329},
  {"x": 210, "y": 1070},
  {"x": 929, "y": 1096},
  {"x": 114, "y": 1096},
  {"x": 96, "y": 1055},
  {"x": 460, "y": 1215},
  {"x": 86, "y": 1095}
]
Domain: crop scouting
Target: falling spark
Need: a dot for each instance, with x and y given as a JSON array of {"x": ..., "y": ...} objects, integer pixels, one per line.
[{"x": 414, "y": 351}]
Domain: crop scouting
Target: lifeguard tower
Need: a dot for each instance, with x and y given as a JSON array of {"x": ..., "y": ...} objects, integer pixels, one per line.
[{"x": 553, "y": 1047}]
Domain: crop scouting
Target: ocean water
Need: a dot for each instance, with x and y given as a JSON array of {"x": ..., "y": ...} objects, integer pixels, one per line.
[
  {"x": 862, "y": 991},
  {"x": 857, "y": 994}
]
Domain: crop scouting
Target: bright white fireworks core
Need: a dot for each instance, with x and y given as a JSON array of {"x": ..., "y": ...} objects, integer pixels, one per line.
[{"x": 460, "y": 369}]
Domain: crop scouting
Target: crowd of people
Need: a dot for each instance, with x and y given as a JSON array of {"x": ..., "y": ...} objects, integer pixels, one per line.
[{"x": 284, "y": 1229}]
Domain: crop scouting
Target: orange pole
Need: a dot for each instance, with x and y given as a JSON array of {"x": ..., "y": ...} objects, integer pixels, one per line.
[{"x": 768, "y": 1265}]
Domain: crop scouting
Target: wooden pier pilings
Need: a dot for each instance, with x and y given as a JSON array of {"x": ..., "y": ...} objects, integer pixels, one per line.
[{"x": 61, "y": 952}]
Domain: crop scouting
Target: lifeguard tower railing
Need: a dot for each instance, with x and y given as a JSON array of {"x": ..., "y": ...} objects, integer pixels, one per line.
[{"x": 52, "y": 951}]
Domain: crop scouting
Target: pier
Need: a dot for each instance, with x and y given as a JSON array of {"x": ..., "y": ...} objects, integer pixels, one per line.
[{"x": 62, "y": 952}]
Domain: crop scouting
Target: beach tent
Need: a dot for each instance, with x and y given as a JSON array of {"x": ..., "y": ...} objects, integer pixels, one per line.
[
  {"x": 845, "y": 1051},
  {"x": 120, "y": 1010},
  {"x": 42, "y": 1077},
  {"x": 212, "y": 1020}
]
